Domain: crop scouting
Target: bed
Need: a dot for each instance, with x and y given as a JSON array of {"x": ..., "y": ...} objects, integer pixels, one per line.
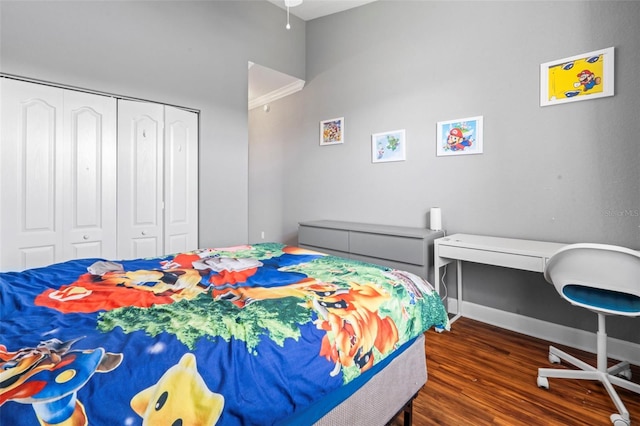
[{"x": 262, "y": 334}]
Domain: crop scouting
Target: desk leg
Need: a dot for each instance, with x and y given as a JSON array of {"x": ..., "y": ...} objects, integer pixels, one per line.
[{"x": 459, "y": 292}]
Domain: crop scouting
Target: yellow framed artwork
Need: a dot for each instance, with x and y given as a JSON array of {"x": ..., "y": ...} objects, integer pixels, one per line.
[{"x": 577, "y": 78}]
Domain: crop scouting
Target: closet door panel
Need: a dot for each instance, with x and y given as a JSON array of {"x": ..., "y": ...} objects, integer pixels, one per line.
[
  {"x": 37, "y": 164},
  {"x": 140, "y": 177},
  {"x": 90, "y": 198},
  {"x": 31, "y": 176},
  {"x": 85, "y": 175},
  {"x": 181, "y": 180}
]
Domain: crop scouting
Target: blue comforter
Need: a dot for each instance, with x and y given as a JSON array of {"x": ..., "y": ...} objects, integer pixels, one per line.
[{"x": 236, "y": 336}]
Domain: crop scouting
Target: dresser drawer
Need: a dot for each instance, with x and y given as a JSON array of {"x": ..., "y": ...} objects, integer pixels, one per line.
[
  {"x": 421, "y": 271},
  {"x": 325, "y": 250},
  {"x": 391, "y": 247},
  {"x": 324, "y": 238}
]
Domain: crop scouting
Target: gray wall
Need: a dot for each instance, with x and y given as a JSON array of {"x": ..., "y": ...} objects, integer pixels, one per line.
[
  {"x": 186, "y": 53},
  {"x": 562, "y": 173},
  {"x": 566, "y": 173}
]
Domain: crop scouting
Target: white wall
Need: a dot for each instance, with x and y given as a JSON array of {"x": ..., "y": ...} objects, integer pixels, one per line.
[
  {"x": 563, "y": 173},
  {"x": 186, "y": 53}
]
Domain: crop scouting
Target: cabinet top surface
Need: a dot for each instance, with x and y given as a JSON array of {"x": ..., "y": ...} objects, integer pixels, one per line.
[{"x": 404, "y": 231}]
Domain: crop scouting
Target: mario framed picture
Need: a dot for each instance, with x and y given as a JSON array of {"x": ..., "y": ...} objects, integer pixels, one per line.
[
  {"x": 577, "y": 78},
  {"x": 459, "y": 137}
]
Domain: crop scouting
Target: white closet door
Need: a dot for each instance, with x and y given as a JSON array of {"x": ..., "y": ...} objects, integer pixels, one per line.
[
  {"x": 181, "y": 180},
  {"x": 31, "y": 176},
  {"x": 140, "y": 177},
  {"x": 90, "y": 176}
]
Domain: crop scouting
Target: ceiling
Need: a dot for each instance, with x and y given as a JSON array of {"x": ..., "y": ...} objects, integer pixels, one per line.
[
  {"x": 267, "y": 85},
  {"x": 312, "y": 9}
]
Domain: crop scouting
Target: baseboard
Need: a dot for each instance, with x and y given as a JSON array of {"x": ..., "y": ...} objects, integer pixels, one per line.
[{"x": 560, "y": 334}]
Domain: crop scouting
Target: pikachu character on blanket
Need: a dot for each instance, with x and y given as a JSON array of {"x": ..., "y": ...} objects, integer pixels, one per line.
[{"x": 179, "y": 397}]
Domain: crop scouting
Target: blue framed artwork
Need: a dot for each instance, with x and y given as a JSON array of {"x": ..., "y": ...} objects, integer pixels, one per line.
[
  {"x": 460, "y": 136},
  {"x": 388, "y": 146}
]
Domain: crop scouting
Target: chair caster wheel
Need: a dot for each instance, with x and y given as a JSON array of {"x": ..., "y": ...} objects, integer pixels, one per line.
[
  {"x": 543, "y": 382},
  {"x": 618, "y": 420},
  {"x": 625, "y": 374},
  {"x": 554, "y": 359}
]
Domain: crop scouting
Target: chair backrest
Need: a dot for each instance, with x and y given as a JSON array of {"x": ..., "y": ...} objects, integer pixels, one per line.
[{"x": 599, "y": 277}]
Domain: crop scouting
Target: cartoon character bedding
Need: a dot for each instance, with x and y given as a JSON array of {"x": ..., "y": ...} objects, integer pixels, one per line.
[{"x": 241, "y": 335}]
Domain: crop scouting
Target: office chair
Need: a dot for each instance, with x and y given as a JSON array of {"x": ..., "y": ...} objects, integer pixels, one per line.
[{"x": 604, "y": 279}]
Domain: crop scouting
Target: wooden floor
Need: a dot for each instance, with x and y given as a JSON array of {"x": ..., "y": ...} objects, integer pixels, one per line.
[{"x": 484, "y": 375}]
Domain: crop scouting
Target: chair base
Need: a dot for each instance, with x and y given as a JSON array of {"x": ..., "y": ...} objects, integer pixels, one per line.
[{"x": 608, "y": 378}]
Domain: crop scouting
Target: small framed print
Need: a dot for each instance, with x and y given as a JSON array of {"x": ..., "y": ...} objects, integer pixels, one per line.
[
  {"x": 460, "y": 136},
  {"x": 332, "y": 131},
  {"x": 388, "y": 146},
  {"x": 577, "y": 78}
]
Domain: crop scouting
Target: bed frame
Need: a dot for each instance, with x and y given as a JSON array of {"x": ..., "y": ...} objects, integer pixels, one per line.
[{"x": 387, "y": 394}]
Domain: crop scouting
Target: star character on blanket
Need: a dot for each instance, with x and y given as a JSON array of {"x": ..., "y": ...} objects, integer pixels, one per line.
[
  {"x": 180, "y": 397},
  {"x": 49, "y": 376}
]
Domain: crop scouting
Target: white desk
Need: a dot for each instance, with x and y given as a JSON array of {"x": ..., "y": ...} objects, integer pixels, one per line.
[{"x": 527, "y": 255}]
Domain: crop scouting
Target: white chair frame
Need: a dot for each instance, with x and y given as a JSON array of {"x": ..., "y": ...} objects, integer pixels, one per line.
[{"x": 597, "y": 266}]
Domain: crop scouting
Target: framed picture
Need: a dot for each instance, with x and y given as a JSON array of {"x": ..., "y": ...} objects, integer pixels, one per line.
[
  {"x": 332, "y": 131},
  {"x": 577, "y": 78},
  {"x": 388, "y": 146},
  {"x": 459, "y": 137}
]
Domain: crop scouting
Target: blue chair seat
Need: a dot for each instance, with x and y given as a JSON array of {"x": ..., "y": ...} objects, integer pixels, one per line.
[{"x": 605, "y": 299}]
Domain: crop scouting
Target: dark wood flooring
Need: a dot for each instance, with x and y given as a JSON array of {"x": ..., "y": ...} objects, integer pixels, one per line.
[{"x": 479, "y": 374}]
